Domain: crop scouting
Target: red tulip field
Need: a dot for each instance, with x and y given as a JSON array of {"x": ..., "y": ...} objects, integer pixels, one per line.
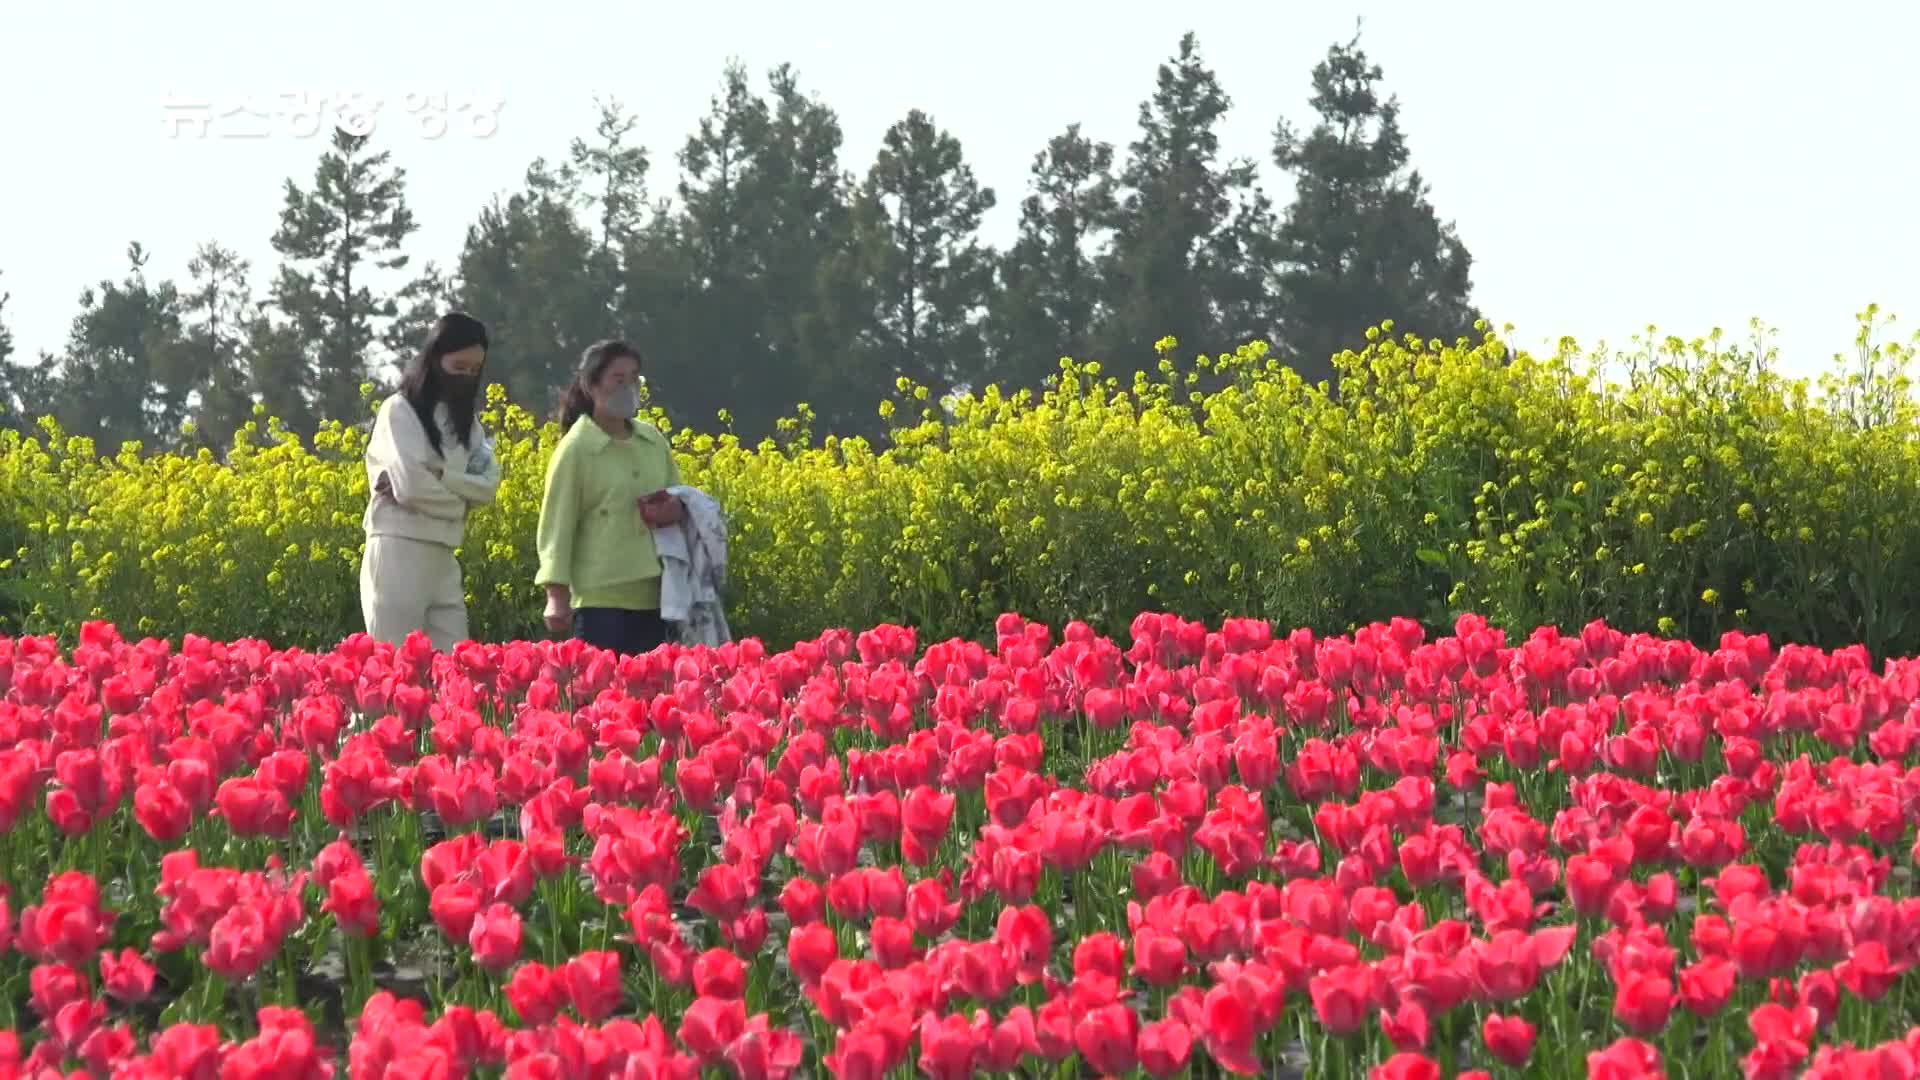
[{"x": 1201, "y": 851}]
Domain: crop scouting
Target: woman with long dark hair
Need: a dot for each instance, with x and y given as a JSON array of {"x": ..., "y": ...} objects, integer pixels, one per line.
[
  {"x": 429, "y": 462},
  {"x": 605, "y": 493}
]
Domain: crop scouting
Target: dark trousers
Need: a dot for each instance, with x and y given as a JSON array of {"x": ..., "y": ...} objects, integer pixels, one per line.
[{"x": 626, "y": 632}]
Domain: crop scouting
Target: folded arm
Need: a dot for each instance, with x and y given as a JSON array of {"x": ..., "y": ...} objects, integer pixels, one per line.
[
  {"x": 479, "y": 480},
  {"x": 400, "y": 453}
]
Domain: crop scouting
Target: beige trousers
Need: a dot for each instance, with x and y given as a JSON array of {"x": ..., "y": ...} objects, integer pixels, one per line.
[{"x": 408, "y": 585}]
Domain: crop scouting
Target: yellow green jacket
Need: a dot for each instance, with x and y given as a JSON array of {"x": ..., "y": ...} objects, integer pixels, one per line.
[{"x": 591, "y": 536}]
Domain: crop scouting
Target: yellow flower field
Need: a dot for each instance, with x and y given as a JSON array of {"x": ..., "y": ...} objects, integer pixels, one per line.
[{"x": 1690, "y": 490}]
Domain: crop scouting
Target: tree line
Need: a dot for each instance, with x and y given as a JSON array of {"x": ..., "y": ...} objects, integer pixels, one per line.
[{"x": 773, "y": 276}]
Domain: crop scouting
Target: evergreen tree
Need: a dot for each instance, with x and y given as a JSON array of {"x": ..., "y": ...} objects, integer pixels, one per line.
[
  {"x": 1047, "y": 302},
  {"x": 417, "y": 306},
  {"x": 278, "y": 370},
  {"x": 335, "y": 239},
  {"x": 714, "y": 361},
  {"x": 1361, "y": 243},
  {"x": 528, "y": 270},
  {"x": 217, "y": 308},
  {"x": 777, "y": 278},
  {"x": 851, "y": 373},
  {"x": 1187, "y": 236},
  {"x": 640, "y": 280},
  {"x": 798, "y": 222},
  {"x": 1238, "y": 263},
  {"x": 126, "y": 374},
  {"x": 658, "y": 290},
  {"x": 611, "y": 177},
  {"x": 26, "y": 388},
  {"x": 13, "y": 408},
  {"x": 920, "y": 220},
  {"x": 29, "y": 390}
]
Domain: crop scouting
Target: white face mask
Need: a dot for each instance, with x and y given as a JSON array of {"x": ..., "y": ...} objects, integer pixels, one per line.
[{"x": 624, "y": 403}]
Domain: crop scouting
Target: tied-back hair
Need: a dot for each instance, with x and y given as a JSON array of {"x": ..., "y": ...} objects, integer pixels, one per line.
[
  {"x": 425, "y": 385},
  {"x": 577, "y": 401}
]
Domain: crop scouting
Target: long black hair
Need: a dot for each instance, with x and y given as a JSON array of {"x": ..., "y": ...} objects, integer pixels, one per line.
[
  {"x": 577, "y": 401},
  {"x": 426, "y": 384}
]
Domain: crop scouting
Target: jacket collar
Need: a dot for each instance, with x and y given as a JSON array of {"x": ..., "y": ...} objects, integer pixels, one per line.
[{"x": 595, "y": 438}]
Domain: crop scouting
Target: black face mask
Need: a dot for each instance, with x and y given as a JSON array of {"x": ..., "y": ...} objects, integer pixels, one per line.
[
  {"x": 461, "y": 389},
  {"x": 461, "y": 394}
]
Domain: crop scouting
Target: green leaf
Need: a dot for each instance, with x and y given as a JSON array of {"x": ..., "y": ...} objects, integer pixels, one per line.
[{"x": 1431, "y": 557}]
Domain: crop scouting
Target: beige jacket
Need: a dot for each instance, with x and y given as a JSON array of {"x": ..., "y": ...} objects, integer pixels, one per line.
[{"x": 416, "y": 493}]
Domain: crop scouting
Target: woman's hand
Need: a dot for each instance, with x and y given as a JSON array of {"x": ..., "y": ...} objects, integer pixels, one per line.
[
  {"x": 559, "y": 612},
  {"x": 660, "y": 508}
]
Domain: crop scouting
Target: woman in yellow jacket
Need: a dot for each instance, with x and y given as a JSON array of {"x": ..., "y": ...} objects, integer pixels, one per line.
[{"x": 605, "y": 492}]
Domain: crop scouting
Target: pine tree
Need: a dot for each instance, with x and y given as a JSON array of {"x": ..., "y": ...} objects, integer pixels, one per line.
[
  {"x": 796, "y": 195},
  {"x": 335, "y": 240},
  {"x": 13, "y": 408},
  {"x": 278, "y": 370},
  {"x": 217, "y": 308},
  {"x": 6, "y": 332},
  {"x": 29, "y": 390},
  {"x": 852, "y": 373},
  {"x": 610, "y": 177},
  {"x": 638, "y": 277},
  {"x": 417, "y": 306},
  {"x": 1047, "y": 302},
  {"x": 658, "y": 291},
  {"x": 1238, "y": 262},
  {"x": 126, "y": 374},
  {"x": 1186, "y": 239},
  {"x": 26, "y": 388},
  {"x": 1361, "y": 243},
  {"x": 920, "y": 216},
  {"x": 528, "y": 271},
  {"x": 712, "y": 362}
]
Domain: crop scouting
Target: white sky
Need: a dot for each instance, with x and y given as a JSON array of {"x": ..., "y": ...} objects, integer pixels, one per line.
[{"x": 1688, "y": 164}]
